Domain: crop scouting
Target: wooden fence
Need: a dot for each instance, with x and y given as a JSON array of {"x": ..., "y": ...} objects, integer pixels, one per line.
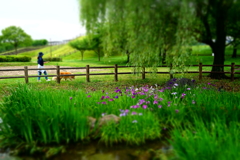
[{"x": 116, "y": 73}]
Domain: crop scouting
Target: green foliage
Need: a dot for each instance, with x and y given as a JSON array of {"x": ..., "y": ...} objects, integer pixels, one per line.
[
  {"x": 53, "y": 59},
  {"x": 6, "y": 47},
  {"x": 43, "y": 117},
  {"x": 82, "y": 45},
  {"x": 16, "y": 36},
  {"x": 213, "y": 140},
  {"x": 39, "y": 42},
  {"x": 15, "y": 59},
  {"x": 155, "y": 32}
]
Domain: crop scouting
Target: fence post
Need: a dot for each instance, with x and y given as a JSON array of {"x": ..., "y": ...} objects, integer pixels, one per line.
[
  {"x": 58, "y": 74},
  {"x": 26, "y": 73},
  {"x": 143, "y": 72},
  {"x": 87, "y": 73},
  {"x": 171, "y": 75},
  {"x": 232, "y": 71},
  {"x": 116, "y": 72},
  {"x": 200, "y": 71}
]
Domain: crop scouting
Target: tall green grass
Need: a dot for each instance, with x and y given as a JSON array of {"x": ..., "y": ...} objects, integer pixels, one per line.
[
  {"x": 196, "y": 116},
  {"x": 211, "y": 140}
]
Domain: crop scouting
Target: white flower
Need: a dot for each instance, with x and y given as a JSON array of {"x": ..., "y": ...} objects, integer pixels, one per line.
[
  {"x": 134, "y": 121},
  {"x": 174, "y": 93}
]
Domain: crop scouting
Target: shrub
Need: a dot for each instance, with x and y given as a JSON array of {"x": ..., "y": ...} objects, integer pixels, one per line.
[
  {"x": 15, "y": 59},
  {"x": 40, "y": 42},
  {"x": 55, "y": 59}
]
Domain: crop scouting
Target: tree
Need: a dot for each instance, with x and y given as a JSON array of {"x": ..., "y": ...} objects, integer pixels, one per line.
[
  {"x": 155, "y": 28},
  {"x": 234, "y": 29},
  {"x": 81, "y": 45},
  {"x": 16, "y": 36},
  {"x": 95, "y": 44}
]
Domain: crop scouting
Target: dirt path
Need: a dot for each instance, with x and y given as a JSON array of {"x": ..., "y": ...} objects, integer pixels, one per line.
[{"x": 34, "y": 72}]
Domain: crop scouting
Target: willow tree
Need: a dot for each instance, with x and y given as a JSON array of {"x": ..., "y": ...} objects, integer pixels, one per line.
[
  {"x": 153, "y": 27},
  {"x": 146, "y": 29}
]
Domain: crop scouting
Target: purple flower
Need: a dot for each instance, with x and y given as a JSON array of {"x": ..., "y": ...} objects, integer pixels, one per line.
[
  {"x": 193, "y": 102},
  {"x": 176, "y": 110},
  {"x": 161, "y": 90},
  {"x": 183, "y": 95},
  {"x": 111, "y": 99},
  {"x": 70, "y": 98},
  {"x": 169, "y": 102},
  {"x": 133, "y": 96},
  {"x": 102, "y": 98},
  {"x": 103, "y": 114},
  {"x": 135, "y": 106},
  {"x": 89, "y": 96},
  {"x": 104, "y": 103},
  {"x": 126, "y": 111},
  {"x": 107, "y": 97},
  {"x": 115, "y": 97},
  {"x": 160, "y": 99},
  {"x": 134, "y": 113},
  {"x": 169, "y": 105},
  {"x": 123, "y": 114},
  {"x": 118, "y": 91},
  {"x": 144, "y": 106},
  {"x": 159, "y": 106},
  {"x": 155, "y": 102}
]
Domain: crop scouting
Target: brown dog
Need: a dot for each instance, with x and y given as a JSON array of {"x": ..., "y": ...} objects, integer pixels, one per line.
[{"x": 66, "y": 77}]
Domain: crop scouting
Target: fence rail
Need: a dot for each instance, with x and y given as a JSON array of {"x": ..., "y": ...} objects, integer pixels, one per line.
[{"x": 115, "y": 73}]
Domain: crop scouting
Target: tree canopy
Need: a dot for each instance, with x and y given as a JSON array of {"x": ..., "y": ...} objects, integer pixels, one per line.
[
  {"x": 16, "y": 36},
  {"x": 82, "y": 45},
  {"x": 153, "y": 29}
]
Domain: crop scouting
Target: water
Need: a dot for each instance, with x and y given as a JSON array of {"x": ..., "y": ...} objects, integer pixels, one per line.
[{"x": 97, "y": 151}]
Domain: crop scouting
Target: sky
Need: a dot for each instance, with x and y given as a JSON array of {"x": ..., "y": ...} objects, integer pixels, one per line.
[{"x": 54, "y": 20}]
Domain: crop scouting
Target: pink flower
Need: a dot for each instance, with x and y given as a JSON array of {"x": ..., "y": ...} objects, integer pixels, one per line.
[
  {"x": 144, "y": 106},
  {"x": 134, "y": 113},
  {"x": 176, "y": 110},
  {"x": 159, "y": 106},
  {"x": 155, "y": 102}
]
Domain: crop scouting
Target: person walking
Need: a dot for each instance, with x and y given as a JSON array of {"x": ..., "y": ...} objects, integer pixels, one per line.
[{"x": 41, "y": 65}]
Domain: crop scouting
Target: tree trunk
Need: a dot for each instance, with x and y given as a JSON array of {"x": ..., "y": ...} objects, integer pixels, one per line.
[
  {"x": 99, "y": 54},
  {"x": 15, "y": 50},
  {"x": 218, "y": 60},
  {"x": 234, "y": 55},
  {"x": 218, "y": 47},
  {"x": 128, "y": 56},
  {"x": 82, "y": 52}
]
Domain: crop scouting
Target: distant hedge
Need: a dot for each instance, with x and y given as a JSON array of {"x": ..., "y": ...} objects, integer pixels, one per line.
[
  {"x": 40, "y": 42},
  {"x": 53, "y": 59},
  {"x": 15, "y": 59}
]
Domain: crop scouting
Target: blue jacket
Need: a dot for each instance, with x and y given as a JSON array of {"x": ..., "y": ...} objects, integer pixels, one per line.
[{"x": 40, "y": 60}]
